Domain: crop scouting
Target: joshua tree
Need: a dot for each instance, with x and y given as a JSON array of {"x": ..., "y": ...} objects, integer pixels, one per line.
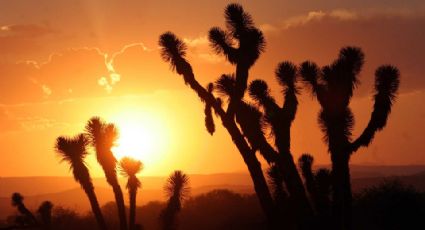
[
  {"x": 176, "y": 188},
  {"x": 333, "y": 87},
  {"x": 244, "y": 121},
  {"x": 129, "y": 168},
  {"x": 45, "y": 211},
  {"x": 318, "y": 185},
  {"x": 74, "y": 150},
  {"x": 102, "y": 137},
  {"x": 18, "y": 202}
]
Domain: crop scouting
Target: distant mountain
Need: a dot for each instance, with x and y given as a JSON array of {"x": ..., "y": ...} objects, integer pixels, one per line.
[{"x": 63, "y": 191}]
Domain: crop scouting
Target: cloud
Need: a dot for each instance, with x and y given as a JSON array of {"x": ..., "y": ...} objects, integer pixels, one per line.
[
  {"x": 199, "y": 49},
  {"x": 18, "y": 118},
  {"x": 196, "y": 42},
  {"x": 25, "y": 31},
  {"x": 114, "y": 77},
  {"x": 22, "y": 40},
  {"x": 339, "y": 14}
]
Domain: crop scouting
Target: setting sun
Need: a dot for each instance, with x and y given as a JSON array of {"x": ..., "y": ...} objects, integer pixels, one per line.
[{"x": 144, "y": 137}]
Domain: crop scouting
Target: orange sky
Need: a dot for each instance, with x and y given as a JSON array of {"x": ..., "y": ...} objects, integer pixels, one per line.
[{"x": 62, "y": 62}]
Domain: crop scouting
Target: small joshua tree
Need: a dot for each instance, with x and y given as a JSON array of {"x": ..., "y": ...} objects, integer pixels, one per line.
[
  {"x": 18, "y": 202},
  {"x": 177, "y": 189},
  {"x": 333, "y": 86},
  {"x": 129, "y": 168},
  {"x": 45, "y": 211}
]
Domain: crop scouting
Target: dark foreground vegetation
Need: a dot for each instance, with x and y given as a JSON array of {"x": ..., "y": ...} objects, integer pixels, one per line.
[{"x": 388, "y": 206}]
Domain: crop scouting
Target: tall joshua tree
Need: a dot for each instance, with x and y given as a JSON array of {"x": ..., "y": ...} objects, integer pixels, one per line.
[
  {"x": 176, "y": 188},
  {"x": 102, "y": 137},
  {"x": 333, "y": 86},
  {"x": 244, "y": 121},
  {"x": 129, "y": 168},
  {"x": 74, "y": 150},
  {"x": 18, "y": 202},
  {"x": 45, "y": 211},
  {"x": 318, "y": 185}
]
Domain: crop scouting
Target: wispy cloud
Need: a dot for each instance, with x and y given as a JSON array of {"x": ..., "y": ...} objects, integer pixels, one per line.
[
  {"x": 108, "y": 82},
  {"x": 200, "y": 48},
  {"x": 340, "y": 14}
]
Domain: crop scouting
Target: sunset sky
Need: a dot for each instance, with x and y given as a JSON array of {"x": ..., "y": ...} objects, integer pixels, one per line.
[{"x": 62, "y": 62}]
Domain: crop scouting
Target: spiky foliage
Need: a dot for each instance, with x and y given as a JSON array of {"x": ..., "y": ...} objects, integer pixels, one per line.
[
  {"x": 27, "y": 216},
  {"x": 225, "y": 85},
  {"x": 102, "y": 137},
  {"x": 129, "y": 168},
  {"x": 333, "y": 86},
  {"x": 73, "y": 150},
  {"x": 45, "y": 211},
  {"x": 176, "y": 189},
  {"x": 240, "y": 27},
  {"x": 305, "y": 163},
  {"x": 173, "y": 51},
  {"x": 276, "y": 182}
]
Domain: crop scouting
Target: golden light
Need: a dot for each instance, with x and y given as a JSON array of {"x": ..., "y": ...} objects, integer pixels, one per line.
[{"x": 142, "y": 136}]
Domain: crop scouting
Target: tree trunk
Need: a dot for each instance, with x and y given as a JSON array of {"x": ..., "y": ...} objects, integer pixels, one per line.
[
  {"x": 95, "y": 207},
  {"x": 132, "y": 218},
  {"x": 299, "y": 200},
  {"x": 256, "y": 173},
  {"x": 342, "y": 196},
  {"x": 119, "y": 199},
  {"x": 254, "y": 166}
]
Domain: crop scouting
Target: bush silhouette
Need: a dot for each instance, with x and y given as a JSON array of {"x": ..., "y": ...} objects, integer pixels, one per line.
[{"x": 45, "y": 211}]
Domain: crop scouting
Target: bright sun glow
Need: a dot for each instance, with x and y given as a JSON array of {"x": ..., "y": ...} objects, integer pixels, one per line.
[{"x": 143, "y": 137}]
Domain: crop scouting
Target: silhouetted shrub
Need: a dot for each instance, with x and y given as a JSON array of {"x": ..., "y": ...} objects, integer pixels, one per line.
[{"x": 389, "y": 205}]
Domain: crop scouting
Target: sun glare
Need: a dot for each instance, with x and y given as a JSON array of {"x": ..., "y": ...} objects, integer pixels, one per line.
[{"x": 143, "y": 137}]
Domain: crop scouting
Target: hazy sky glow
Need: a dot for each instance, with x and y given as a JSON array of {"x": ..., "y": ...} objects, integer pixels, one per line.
[{"x": 62, "y": 62}]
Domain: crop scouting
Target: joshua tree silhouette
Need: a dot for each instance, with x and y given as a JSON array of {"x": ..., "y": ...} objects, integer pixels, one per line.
[
  {"x": 129, "y": 168},
  {"x": 74, "y": 150},
  {"x": 45, "y": 211},
  {"x": 306, "y": 162},
  {"x": 333, "y": 87},
  {"x": 176, "y": 188},
  {"x": 18, "y": 202},
  {"x": 102, "y": 137},
  {"x": 244, "y": 121},
  {"x": 318, "y": 186}
]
